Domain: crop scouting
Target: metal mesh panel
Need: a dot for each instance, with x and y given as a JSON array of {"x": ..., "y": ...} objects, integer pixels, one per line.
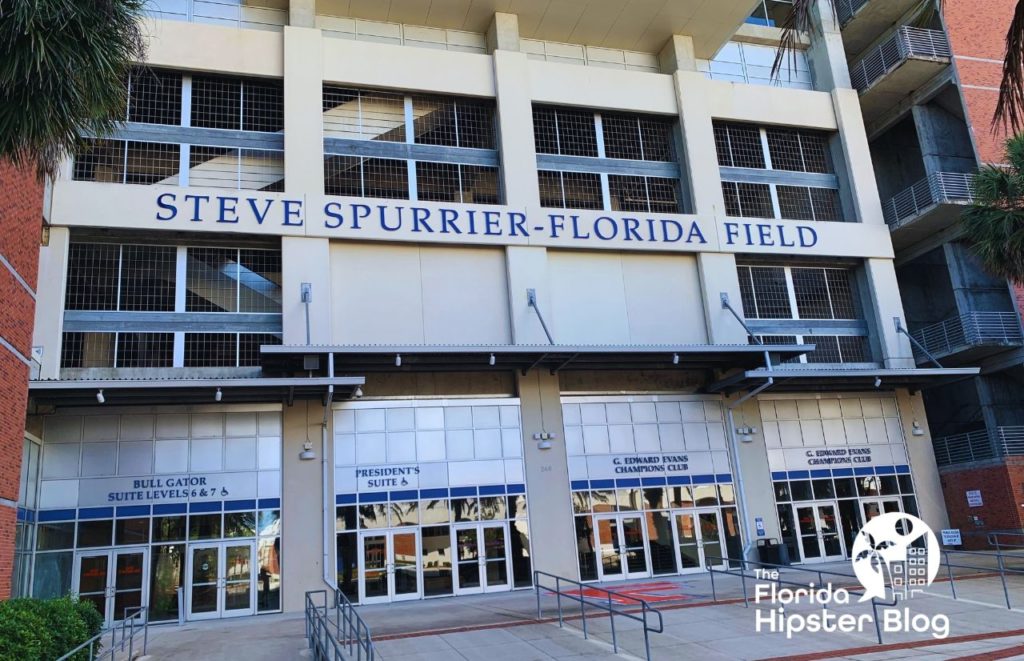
[
  {"x": 99, "y": 160},
  {"x": 249, "y": 347},
  {"x": 637, "y": 137},
  {"x": 225, "y": 167},
  {"x": 152, "y": 163},
  {"x": 570, "y": 190},
  {"x": 154, "y": 96},
  {"x": 259, "y": 281},
  {"x": 775, "y": 340},
  {"x": 147, "y": 278},
  {"x": 565, "y": 132},
  {"x": 748, "y": 200},
  {"x": 365, "y": 177},
  {"x": 840, "y": 288},
  {"x": 144, "y": 350},
  {"x": 739, "y": 145},
  {"x": 211, "y": 349},
  {"x": 798, "y": 150},
  {"x": 450, "y": 182},
  {"x": 653, "y": 194},
  {"x": 87, "y": 350},
  {"x": 826, "y": 204},
  {"x": 824, "y": 294},
  {"x": 480, "y": 184},
  {"x": 92, "y": 280},
  {"x": 219, "y": 102},
  {"x": 803, "y": 203},
  {"x": 765, "y": 292},
  {"x": 363, "y": 114},
  {"x": 451, "y": 122},
  {"x": 211, "y": 280}
]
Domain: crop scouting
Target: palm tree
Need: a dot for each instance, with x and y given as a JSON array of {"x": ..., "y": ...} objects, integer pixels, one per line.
[
  {"x": 1009, "y": 110},
  {"x": 63, "y": 64},
  {"x": 994, "y": 223}
]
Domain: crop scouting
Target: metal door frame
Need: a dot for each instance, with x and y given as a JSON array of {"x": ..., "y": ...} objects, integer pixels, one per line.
[
  {"x": 389, "y": 565},
  {"x": 815, "y": 504},
  {"x": 221, "y": 612},
  {"x": 109, "y": 592},
  {"x": 626, "y": 575}
]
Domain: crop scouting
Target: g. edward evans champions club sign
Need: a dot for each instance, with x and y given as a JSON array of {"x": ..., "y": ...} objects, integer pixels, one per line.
[{"x": 457, "y": 223}]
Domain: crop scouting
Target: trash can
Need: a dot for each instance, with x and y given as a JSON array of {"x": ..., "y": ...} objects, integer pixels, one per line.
[{"x": 770, "y": 551}]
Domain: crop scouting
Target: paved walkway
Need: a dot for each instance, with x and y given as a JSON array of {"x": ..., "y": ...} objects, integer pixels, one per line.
[{"x": 504, "y": 626}]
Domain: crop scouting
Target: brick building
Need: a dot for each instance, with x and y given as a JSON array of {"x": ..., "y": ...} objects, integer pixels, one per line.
[
  {"x": 929, "y": 92},
  {"x": 21, "y": 216}
]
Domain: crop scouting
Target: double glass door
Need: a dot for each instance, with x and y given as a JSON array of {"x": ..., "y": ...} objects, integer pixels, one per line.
[
  {"x": 482, "y": 556},
  {"x": 698, "y": 537},
  {"x": 818, "y": 526},
  {"x": 114, "y": 581},
  {"x": 876, "y": 506},
  {"x": 622, "y": 547},
  {"x": 389, "y": 566},
  {"x": 221, "y": 580}
]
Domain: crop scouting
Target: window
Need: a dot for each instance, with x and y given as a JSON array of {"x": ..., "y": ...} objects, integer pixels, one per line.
[
  {"x": 805, "y": 186},
  {"x": 456, "y": 159},
  {"x": 132, "y": 280},
  {"x": 650, "y": 184},
  {"x": 248, "y": 153},
  {"x": 777, "y": 298}
]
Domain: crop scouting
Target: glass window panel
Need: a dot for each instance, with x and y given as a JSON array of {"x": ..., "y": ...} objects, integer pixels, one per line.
[
  {"x": 517, "y": 507},
  {"x": 492, "y": 508},
  {"x": 731, "y": 525},
  {"x": 268, "y": 580},
  {"x": 680, "y": 497},
  {"x": 168, "y": 528},
  {"x": 705, "y": 495},
  {"x": 867, "y": 486},
  {"x": 906, "y": 484},
  {"x": 522, "y": 565},
  {"x": 95, "y": 533},
  {"x": 782, "y": 492},
  {"x": 52, "y": 575},
  {"x": 437, "y": 560},
  {"x": 801, "y": 490},
  {"x": 434, "y": 511},
  {"x": 131, "y": 531},
  {"x": 465, "y": 509},
  {"x": 345, "y": 518},
  {"x": 654, "y": 499},
  {"x": 269, "y": 522},
  {"x": 204, "y": 526},
  {"x": 585, "y": 548},
  {"x": 630, "y": 500},
  {"x": 603, "y": 501},
  {"x": 910, "y": 505},
  {"x": 581, "y": 502},
  {"x": 405, "y": 514},
  {"x": 845, "y": 487},
  {"x": 166, "y": 575},
  {"x": 787, "y": 531},
  {"x": 348, "y": 565},
  {"x": 55, "y": 536},
  {"x": 823, "y": 489},
  {"x": 661, "y": 543},
  {"x": 889, "y": 485},
  {"x": 726, "y": 494},
  {"x": 373, "y": 516},
  {"x": 239, "y": 524}
]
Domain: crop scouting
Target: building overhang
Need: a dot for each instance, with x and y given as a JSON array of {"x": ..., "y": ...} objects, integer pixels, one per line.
[
  {"x": 364, "y": 359},
  {"x": 190, "y": 391},
  {"x": 810, "y": 379}
]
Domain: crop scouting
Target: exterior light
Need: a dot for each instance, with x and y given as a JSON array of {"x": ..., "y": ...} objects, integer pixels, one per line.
[
  {"x": 99, "y": 396},
  {"x": 307, "y": 453},
  {"x": 675, "y": 359},
  {"x": 916, "y": 430},
  {"x": 878, "y": 382},
  {"x": 217, "y": 396},
  {"x": 491, "y": 361},
  {"x": 357, "y": 393},
  {"x": 398, "y": 360}
]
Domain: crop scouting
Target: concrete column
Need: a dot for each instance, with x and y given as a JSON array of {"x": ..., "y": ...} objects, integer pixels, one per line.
[
  {"x": 753, "y": 473},
  {"x": 700, "y": 155},
  {"x": 302, "y": 515},
  {"x": 49, "y": 319},
  {"x": 927, "y": 485},
  {"x": 856, "y": 152},
  {"x": 528, "y": 269},
  {"x": 678, "y": 55},
  {"x": 717, "y": 275},
  {"x": 303, "y": 116},
  {"x": 552, "y": 531},
  {"x": 827, "y": 55},
  {"x": 306, "y": 260},
  {"x": 515, "y": 126},
  {"x": 887, "y": 304},
  {"x": 302, "y": 13},
  {"x": 503, "y": 34}
]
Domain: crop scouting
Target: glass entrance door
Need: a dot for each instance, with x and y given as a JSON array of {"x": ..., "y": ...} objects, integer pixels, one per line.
[
  {"x": 482, "y": 556},
  {"x": 622, "y": 547},
  {"x": 389, "y": 566},
  {"x": 114, "y": 581},
  {"x": 698, "y": 540},
  {"x": 220, "y": 580},
  {"x": 818, "y": 526}
]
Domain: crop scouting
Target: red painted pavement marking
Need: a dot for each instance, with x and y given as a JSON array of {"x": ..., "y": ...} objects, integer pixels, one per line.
[{"x": 629, "y": 594}]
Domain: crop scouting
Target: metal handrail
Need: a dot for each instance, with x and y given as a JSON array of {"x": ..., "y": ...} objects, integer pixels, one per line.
[
  {"x": 1016, "y": 539},
  {"x": 1000, "y": 557},
  {"x": 344, "y": 636},
  {"x": 969, "y": 330},
  {"x": 906, "y": 42},
  {"x": 936, "y": 188},
  {"x": 847, "y": 9},
  {"x": 979, "y": 445},
  {"x": 135, "y": 621},
  {"x": 604, "y": 604}
]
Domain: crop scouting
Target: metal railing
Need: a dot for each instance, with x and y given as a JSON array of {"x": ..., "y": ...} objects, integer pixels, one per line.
[
  {"x": 970, "y": 330},
  {"x": 604, "y": 601},
  {"x": 1006, "y": 539},
  {"x": 344, "y": 636},
  {"x": 231, "y": 13},
  {"x": 907, "y": 42},
  {"x": 979, "y": 445},
  {"x": 1000, "y": 558},
  {"x": 122, "y": 637},
  {"x": 847, "y": 9},
  {"x": 938, "y": 188}
]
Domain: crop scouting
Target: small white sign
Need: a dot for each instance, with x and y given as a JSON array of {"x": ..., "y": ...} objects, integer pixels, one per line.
[
  {"x": 607, "y": 467},
  {"x": 384, "y": 478},
  {"x": 974, "y": 499},
  {"x": 951, "y": 537}
]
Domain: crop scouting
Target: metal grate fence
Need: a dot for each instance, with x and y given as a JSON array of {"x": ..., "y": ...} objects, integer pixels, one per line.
[
  {"x": 938, "y": 188},
  {"x": 906, "y": 43},
  {"x": 970, "y": 330}
]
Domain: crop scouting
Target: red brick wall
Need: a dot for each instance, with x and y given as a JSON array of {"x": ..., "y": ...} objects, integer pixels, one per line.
[
  {"x": 21, "y": 207},
  {"x": 1002, "y": 493}
]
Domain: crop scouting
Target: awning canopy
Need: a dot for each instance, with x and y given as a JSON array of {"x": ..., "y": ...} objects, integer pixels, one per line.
[
  {"x": 361, "y": 359},
  {"x": 190, "y": 391},
  {"x": 811, "y": 379}
]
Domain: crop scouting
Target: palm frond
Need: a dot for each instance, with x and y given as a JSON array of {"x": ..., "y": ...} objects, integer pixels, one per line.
[
  {"x": 1010, "y": 108},
  {"x": 994, "y": 223},
  {"x": 799, "y": 21}
]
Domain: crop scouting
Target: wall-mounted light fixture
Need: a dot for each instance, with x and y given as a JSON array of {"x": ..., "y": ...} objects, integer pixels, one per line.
[
  {"x": 99, "y": 396},
  {"x": 492, "y": 360},
  {"x": 357, "y": 393},
  {"x": 217, "y": 396},
  {"x": 746, "y": 434},
  {"x": 307, "y": 453},
  {"x": 398, "y": 360},
  {"x": 544, "y": 439},
  {"x": 916, "y": 429}
]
